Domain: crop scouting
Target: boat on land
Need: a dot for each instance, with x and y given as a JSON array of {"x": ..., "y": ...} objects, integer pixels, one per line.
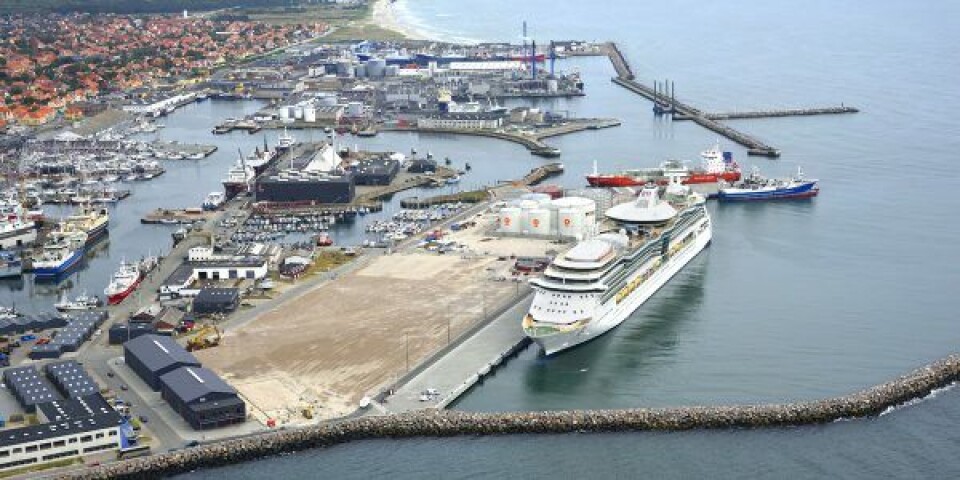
[
  {"x": 600, "y": 282},
  {"x": 758, "y": 188},
  {"x": 715, "y": 166}
]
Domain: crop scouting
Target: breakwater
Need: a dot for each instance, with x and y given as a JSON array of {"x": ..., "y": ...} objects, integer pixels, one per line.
[
  {"x": 684, "y": 111},
  {"x": 868, "y": 402}
]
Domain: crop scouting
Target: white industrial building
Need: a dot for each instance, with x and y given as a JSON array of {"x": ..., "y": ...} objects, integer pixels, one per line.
[
  {"x": 535, "y": 214},
  {"x": 154, "y": 108},
  {"x": 462, "y": 120}
]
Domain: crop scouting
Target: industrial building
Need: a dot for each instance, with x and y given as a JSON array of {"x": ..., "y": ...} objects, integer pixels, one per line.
[
  {"x": 216, "y": 300},
  {"x": 306, "y": 187},
  {"x": 124, "y": 332},
  {"x": 79, "y": 424},
  {"x": 375, "y": 171},
  {"x": 202, "y": 264},
  {"x": 202, "y": 398},
  {"x": 466, "y": 120},
  {"x": 29, "y": 388},
  {"x": 71, "y": 379},
  {"x": 78, "y": 433},
  {"x": 422, "y": 165},
  {"x": 151, "y": 356}
]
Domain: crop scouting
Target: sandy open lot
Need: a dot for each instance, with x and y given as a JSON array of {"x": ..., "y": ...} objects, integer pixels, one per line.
[{"x": 336, "y": 343}]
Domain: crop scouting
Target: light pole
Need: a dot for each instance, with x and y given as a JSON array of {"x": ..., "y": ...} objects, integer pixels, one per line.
[{"x": 406, "y": 342}]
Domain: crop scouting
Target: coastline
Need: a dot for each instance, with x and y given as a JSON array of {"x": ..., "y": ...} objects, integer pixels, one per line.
[{"x": 383, "y": 14}]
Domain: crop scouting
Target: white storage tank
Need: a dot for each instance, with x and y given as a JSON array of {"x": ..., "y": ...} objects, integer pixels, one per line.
[
  {"x": 538, "y": 221},
  {"x": 284, "y": 114},
  {"x": 570, "y": 222},
  {"x": 510, "y": 219},
  {"x": 576, "y": 216},
  {"x": 309, "y": 114},
  {"x": 542, "y": 199},
  {"x": 360, "y": 71},
  {"x": 553, "y": 85},
  {"x": 298, "y": 112}
]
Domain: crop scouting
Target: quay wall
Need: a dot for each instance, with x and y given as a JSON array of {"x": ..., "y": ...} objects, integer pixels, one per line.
[{"x": 432, "y": 423}]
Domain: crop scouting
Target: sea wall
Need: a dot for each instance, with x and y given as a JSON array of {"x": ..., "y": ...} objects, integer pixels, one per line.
[{"x": 871, "y": 401}]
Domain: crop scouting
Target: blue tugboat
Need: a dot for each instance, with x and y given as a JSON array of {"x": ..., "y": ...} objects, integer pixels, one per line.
[{"x": 756, "y": 187}]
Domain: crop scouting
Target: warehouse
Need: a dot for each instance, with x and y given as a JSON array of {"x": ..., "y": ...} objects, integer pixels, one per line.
[
  {"x": 151, "y": 356},
  {"x": 71, "y": 379},
  {"x": 465, "y": 120},
  {"x": 375, "y": 171},
  {"x": 124, "y": 332},
  {"x": 202, "y": 398},
  {"x": 422, "y": 165},
  {"x": 29, "y": 388},
  {"x": 293, "y": 186},
  {"x": 216, "y": 300}
]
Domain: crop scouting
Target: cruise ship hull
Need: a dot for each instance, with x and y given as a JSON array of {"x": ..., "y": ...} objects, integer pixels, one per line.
[{"x": 613, "y": 317}]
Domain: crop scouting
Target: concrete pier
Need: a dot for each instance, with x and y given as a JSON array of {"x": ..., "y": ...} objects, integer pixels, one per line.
[
  {"x": 794, "y": 112},
  {"x": 476, "y": 354}
]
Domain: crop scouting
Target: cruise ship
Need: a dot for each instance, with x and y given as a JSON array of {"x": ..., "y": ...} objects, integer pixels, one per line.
[{"x": 597, "y": 284}]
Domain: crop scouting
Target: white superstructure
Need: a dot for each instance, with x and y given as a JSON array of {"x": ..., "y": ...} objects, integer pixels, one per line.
[
  {"x": 598, "y": 283},
  {"x": 16, "y": 230}
]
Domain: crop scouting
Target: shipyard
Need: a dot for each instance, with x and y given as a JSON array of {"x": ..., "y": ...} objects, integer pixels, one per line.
[{"x": 336, "y": 239}]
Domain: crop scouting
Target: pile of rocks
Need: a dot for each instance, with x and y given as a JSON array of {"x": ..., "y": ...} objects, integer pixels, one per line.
[{"x": 430, "y": 423}]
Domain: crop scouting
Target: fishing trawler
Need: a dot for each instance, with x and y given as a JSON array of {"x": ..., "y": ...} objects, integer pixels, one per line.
[
  {"x": 123, "y": 283},
  {"x": 62, "y": 251}
]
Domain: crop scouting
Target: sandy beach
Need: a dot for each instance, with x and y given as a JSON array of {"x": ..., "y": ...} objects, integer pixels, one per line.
[{"x": 384, "y": 15}]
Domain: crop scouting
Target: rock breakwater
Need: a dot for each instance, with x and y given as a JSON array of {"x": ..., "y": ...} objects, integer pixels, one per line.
[{"x": 868, "y": 402}]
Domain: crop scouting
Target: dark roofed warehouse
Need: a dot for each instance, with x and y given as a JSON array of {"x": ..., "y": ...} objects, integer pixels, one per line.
[
  {"x": 151, "y": 356},
  {"x": 202, "y": 398},
  {"x": 216, "y": 300}
]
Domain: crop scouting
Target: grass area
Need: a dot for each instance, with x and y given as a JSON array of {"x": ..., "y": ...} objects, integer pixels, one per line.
[
  {"x": 326, "y": 260},
  {"x": 66, "y": 462},
  {"x": 332, "y": 14},
  {"x": 362, "y": 32}
]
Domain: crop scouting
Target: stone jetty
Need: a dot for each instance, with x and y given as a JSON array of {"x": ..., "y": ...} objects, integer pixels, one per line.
[{"x": 432, "y": 423}]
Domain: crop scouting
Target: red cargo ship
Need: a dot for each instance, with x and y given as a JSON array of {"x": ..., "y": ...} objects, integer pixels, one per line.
[{"x": 716, "y": 166}]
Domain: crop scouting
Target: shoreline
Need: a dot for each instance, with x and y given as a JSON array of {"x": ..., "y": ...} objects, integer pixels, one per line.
[{"x": 383, "y": 14}]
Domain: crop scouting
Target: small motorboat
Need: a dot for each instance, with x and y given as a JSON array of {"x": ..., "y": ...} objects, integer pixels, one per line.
[{"x": 81, "y": 302}]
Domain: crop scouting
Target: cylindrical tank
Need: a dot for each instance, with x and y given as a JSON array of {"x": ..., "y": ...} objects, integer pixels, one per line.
[
  {"x": 345, "y": 68},
  {"x": 570, "y": 222},
  {"x": 284, "y": 113},
  {"x": 542, "y": 199},
  {"x": 360, "y": 71},
  {"x": 309, "y": 114},
  {"x": 575, "y": 216},
  {"x": 376, "y": 67},
  {"x": 538, "y": 221},
  {"x": 510, "y": 219},
  {"x": 298, "y": 112},
  {"x": 553, "y": 85}
]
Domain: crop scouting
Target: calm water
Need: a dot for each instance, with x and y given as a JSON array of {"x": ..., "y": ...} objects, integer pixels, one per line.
[{"x": 792, "y": 301}]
